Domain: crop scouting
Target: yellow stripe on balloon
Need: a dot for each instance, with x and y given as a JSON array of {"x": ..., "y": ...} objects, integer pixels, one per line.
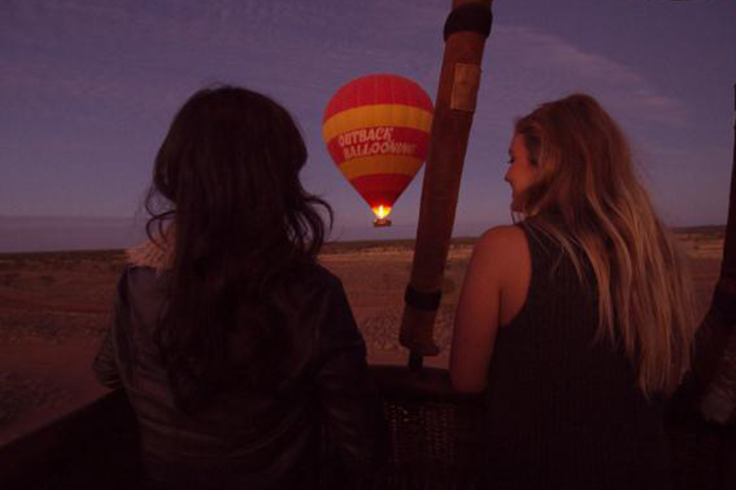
[
  {"x": 377, "y": 115},
  {"x": 380, "y": 164}
]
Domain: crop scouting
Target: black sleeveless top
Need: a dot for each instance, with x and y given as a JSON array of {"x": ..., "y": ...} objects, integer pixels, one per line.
[{"x": 563, "y": 409}]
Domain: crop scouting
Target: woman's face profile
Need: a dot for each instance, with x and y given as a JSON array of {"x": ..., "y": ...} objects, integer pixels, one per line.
[{"x": 521, "y": 173}]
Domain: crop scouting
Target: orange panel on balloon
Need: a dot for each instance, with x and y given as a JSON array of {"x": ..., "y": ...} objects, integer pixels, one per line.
[{"x": 376, "y": 129}]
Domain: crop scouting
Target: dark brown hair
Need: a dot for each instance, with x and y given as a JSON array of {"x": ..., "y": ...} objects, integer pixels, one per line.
[{"x": 226, "y": 179}]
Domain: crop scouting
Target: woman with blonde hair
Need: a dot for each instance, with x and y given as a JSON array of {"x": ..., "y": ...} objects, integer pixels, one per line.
[{"x": 577, "y": 320}]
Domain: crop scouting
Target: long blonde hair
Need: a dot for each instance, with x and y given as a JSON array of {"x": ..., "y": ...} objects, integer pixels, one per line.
[{"x": 586, "y": 179}]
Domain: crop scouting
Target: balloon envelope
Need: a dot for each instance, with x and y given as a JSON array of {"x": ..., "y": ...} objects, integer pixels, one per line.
[{"x": 377, "y": 130}]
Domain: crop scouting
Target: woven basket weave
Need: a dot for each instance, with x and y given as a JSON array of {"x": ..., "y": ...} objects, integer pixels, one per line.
[{"x": 432, "y": 431}]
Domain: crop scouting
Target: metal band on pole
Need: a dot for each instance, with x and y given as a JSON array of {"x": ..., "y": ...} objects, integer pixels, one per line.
[{"x": 469, "y": 17}]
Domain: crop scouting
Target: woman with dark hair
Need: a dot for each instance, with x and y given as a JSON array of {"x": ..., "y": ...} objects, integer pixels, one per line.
[
  {"x": 577, "y": 321},
  {"x": 238, "y": 352}
]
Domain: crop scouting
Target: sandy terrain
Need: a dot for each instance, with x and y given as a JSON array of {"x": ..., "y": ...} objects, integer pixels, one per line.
[{"x": 54, "y": 307}]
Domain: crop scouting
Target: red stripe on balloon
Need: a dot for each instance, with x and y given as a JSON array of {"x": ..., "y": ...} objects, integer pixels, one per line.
[
  {"x": 378, "y": 89},
  {"x": 381, "y": 189},
  {"x": 399, "y": 135}
]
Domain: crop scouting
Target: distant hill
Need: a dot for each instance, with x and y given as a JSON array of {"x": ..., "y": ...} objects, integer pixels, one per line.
[
  {"x": 712, "y": 231},
  {"x": 49, "y": 233}
]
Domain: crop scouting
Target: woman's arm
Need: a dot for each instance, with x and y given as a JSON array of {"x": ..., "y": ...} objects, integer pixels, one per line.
[
  {"x": 104, "y": 364},
  {"x": 351, "y": 409},
  {"x": 477, "y": 315}
]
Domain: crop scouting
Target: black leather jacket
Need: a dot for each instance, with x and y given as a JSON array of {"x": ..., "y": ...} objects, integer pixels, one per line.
[{"x": 321, "y": 428}]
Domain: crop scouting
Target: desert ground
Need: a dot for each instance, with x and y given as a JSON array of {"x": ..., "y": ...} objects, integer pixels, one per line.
[{"x": 54, "y": 308}]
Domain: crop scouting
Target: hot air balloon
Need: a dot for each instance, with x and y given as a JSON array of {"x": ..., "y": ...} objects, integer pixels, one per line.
[{"x": 377, "y": 130}]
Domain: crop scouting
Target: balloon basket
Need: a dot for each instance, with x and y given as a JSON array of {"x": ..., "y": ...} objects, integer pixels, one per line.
[{"x": 381, "y": 222}]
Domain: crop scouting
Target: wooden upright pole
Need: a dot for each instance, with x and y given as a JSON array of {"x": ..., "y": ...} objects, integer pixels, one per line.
[
  {"x": 466, "y": 30},
  {"x": 728, "y": 266},
  {"x": 714, "y": 355}
]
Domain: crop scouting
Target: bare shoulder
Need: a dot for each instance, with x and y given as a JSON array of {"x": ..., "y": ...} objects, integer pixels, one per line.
[{"x": 503, "y": 241}]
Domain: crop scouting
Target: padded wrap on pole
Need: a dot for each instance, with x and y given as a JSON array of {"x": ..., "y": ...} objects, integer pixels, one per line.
[
  {"x": 422, "y": 301},
  {"x": 469, "y": 17}
]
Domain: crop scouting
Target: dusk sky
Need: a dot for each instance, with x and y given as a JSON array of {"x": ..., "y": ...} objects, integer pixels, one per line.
[{"x": 89, "y": 87}]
